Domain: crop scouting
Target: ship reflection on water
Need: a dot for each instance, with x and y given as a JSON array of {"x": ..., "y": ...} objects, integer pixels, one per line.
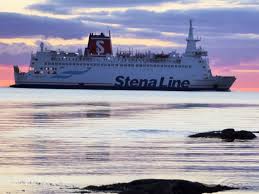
[{"x": 80, "y": 142}]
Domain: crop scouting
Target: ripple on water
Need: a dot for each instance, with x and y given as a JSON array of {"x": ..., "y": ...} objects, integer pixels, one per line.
[{"x": 75, "y": 139}]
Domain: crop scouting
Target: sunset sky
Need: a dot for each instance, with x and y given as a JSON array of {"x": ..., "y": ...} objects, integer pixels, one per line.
[{"x": 229, "y": 30}]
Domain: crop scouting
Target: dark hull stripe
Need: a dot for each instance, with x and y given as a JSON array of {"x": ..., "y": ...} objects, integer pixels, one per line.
[
  {"x": 58, "y": 83},
  {"x": 99, "y": 87}
]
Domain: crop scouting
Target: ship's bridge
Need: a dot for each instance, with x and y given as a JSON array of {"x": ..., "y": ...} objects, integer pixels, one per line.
[{"x": 200, "y": 52}]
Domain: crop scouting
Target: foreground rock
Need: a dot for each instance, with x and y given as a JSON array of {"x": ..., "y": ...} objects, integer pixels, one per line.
[
  {"x": 227, "y": 134},
  {"x": 158, "y": 186}
]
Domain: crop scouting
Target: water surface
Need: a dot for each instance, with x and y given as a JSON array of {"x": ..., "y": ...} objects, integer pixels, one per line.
[{"x": 51, "y": 140}]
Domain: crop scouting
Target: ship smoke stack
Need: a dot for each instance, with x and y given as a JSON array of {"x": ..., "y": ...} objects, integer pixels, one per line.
[{"x": 99, "y": 45}]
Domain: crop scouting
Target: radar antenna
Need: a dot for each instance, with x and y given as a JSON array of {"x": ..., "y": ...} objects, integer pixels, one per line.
[
  {"x": 191, "y": 41},
  {"x": 41, "y": 46}
]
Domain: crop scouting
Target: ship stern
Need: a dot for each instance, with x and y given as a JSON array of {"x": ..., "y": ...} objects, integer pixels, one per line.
[{"x": 17, "y": 76}]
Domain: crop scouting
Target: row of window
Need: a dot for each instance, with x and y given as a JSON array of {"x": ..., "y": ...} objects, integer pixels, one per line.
[
  {"x": 67, "y": 59},
  {"x": 120, "y": 65},
  {"x": 104, "y": 59},
  {"x": 47, "y": 72},
  {"x": 48, "y": 68}
]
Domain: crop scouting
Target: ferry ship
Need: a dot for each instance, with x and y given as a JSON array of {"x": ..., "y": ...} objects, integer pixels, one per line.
[{"x": 98, "y": 68}]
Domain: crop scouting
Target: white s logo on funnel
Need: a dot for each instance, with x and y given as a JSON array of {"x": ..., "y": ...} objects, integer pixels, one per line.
[{"x": 99, "y": 47}]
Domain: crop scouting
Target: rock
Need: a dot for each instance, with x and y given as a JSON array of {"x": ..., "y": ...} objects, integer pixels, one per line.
[
  {"x": 212, "y": 134},
  {"x": 245, "y": 135},
  {"x": 226, "y": 134},
  {"x": 158, "y": 186}
]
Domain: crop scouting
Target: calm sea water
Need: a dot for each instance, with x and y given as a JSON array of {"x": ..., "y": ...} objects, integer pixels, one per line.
[{"x": 52, "y": 140}]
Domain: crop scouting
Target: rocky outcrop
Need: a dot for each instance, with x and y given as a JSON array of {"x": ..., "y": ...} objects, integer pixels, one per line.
[
  {"x": 158, "y": 186},
  {"x": 227, "y": 134}
]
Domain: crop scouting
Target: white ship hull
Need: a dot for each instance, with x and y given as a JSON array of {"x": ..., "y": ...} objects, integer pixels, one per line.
[{"x": 122, "y": 79}]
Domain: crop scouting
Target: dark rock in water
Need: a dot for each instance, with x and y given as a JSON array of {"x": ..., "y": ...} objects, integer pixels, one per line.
[
  {"x": 226, "y": 134},
  {"x": 158, "y": 186},
  {"x": 245, "y": 135}
]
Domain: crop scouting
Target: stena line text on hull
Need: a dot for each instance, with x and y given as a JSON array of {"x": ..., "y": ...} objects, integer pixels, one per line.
[{"x": 127, "y": 82}]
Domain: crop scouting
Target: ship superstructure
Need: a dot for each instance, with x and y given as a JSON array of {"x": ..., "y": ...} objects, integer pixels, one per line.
[{"x": 98, "y": 68}]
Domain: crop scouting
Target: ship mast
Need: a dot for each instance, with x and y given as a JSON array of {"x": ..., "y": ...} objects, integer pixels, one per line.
[{"x": 191, "y": 41}]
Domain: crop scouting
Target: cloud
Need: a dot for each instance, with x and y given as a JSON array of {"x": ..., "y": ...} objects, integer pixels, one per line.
[
  {"x": 10, "y": 59},
  {"x": 208, "y": 20},
  {"x": 79, "y": 7},
  {"x": 19, "y": 25},
  {"x": 67, "y": 6},
  {"x": 246, "y": 70},
  {"x": 50, "y": 8},
  {"x": 247, "y": 2},
  {"x": 15, "y": 48},
  {"x": 228, "y": 40},
  {"x": 212, "y": 23}
]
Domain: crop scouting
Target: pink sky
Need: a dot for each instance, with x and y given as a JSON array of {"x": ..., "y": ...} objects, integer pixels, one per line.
[
  {"x": 247, "y": 75},
  {"x": 6, "y": 74}
]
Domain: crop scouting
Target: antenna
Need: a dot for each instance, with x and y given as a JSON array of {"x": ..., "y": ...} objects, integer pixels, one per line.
[
  {"x": 41, "y": 46},
  {"x": 109, "y": 32}
]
